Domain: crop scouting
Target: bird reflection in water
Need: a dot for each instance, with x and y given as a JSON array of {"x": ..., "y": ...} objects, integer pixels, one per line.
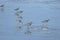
[
  {"x": 44, "y": 28},
  {"x": 28, "y": 32}
]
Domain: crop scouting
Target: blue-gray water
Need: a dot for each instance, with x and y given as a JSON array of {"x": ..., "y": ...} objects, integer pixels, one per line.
[{"x": 33, "y": 10}]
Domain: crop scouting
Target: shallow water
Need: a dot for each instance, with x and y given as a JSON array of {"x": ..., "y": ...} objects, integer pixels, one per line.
[{"x": 35, "y": 11}]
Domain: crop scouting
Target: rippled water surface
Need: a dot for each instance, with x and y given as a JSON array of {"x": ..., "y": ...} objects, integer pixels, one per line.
[{"x": 35, "y": 11}]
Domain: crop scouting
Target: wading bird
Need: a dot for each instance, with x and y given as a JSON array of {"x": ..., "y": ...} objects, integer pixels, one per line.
[
  {"x": 28, "y": 24},
  {"x": 19, "y": 27},
  {"x": 20, "y": 17},
  {"x": 1, "y": 5},
  {"x": 16, "y": 9},
  {"x": 19, "y": 21},
  {"x": 45, "y": 21}
]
